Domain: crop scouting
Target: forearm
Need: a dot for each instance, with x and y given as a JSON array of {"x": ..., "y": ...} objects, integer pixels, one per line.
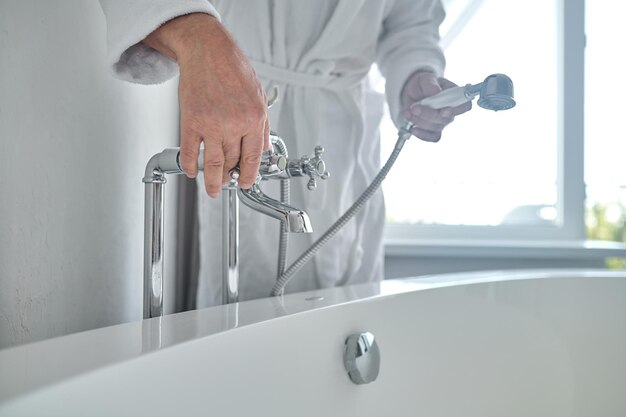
[
  {"x": 176, "y": 37},
  {"x": 131, "y": 21},
  {"x": 409, "y": 42},
  {"x": 221, "y": 101}
]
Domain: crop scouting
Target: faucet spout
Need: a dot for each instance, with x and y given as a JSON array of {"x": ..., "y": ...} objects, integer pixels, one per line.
[{"x": 295, "y": 220}]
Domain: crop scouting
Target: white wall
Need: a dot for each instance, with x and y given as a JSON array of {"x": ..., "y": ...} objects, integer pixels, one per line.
[{"x": 73, "y": 146}]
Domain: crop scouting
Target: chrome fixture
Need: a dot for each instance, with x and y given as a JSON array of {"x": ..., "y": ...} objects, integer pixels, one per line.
[
  {"x": 495, "y": 93},
  {"x": 160, "y": 164},
  {"x": 361, "y": 358},
  {"x": 295, "y": 220},
  {"x": 230, "y": 241},
  {"x": 274, "y": 165}
]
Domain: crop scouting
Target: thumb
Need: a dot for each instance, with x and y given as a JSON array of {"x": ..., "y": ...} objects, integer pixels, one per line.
[{"x": 429, "y": 84}]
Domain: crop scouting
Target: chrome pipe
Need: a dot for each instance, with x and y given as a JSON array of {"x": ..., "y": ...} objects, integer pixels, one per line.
[
  {"x": 153, "y": 248},
  {"x": 160, "y": 164},
  {"x": 273, "y": 165},
  {"x": 166, "y": 162},
  {"x": 230, "y": 244}
]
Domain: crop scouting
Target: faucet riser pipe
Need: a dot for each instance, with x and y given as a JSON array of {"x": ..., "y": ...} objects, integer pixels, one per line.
[
  {"x": 153, "y": 251},
  {"x": 230, "y": 246}
]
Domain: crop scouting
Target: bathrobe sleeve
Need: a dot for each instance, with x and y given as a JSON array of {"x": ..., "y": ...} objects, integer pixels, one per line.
[
  {"x": 409, "y": 42},
  {"x": 129, "y": 22}
]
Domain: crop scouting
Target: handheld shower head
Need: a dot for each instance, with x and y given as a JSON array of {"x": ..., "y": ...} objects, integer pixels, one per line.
[{"x": 496, "y": 93}]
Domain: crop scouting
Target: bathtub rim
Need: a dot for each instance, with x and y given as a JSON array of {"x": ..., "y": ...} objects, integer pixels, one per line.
[{"x": 15, "y": 382}]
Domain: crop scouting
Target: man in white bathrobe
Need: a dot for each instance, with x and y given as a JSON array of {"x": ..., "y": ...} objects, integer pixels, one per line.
[{"x": 318, "y": 53}]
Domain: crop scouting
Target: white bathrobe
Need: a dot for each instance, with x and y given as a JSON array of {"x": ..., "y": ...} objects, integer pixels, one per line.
[{"x": 318, "y": 52}]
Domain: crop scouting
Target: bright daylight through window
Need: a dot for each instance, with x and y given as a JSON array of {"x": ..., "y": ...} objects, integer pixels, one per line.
[
  {"x": 489, "y": 168},
  {"x": 519, "y": 173},
  {"x": 605, "y": 142}
]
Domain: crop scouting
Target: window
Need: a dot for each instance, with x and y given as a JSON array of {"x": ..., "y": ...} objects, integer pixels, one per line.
[
  {"x": 605, "y": 142},
  {"x": 516, "y": 174}
]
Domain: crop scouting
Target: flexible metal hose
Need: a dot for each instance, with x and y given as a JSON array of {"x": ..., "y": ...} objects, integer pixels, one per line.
[{"x": 284, "y": 279}]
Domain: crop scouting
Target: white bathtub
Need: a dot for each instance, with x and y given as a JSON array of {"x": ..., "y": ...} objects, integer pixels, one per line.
[{"x": 533, "y": 343}]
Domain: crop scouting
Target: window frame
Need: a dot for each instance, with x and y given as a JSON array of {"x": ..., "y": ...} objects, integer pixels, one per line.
[{"x": 570, "y": 223}]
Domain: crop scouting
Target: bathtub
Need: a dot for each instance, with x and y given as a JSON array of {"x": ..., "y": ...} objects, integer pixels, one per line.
[{"x": 525, "y": 343}]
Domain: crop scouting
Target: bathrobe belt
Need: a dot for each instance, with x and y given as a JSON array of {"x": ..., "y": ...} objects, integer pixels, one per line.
[{"x": 331, "y": 81}]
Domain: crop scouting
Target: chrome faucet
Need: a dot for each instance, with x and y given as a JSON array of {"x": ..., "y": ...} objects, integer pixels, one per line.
[
  {"x": 295, "y": 221},
  {"x": 274, "y": 165}
]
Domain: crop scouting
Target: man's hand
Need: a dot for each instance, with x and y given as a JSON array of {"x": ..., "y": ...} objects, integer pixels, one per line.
[
  {"x": 428, "y": 122},
  {"x": 221, "y": 101}
]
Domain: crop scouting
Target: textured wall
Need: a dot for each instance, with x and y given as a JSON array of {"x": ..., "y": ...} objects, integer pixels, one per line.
[{"x": 73, "y": 146}]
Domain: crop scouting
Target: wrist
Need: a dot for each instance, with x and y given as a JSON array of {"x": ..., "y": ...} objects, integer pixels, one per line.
[{"x": 177, "y": 37}]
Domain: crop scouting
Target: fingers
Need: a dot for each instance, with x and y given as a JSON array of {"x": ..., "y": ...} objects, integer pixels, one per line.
[
  {"x": 221, "y": 155},
  {"x": 445, "y": 83},
  {"x": 426, "y": 135},
  {"x": 213, "y": 166},
  {"x": 266, "y": 123},
  {"x": 189, "y": 150},
  {"x": 429, "y": 84},
  {"x": 428, "y": 122},
  {"x": 220, "y": 158},
  {"x": 266, "y": 135},
  {"x": 232, "y": 153},
  {"x": 428, "y": 118},
  {"x": 251, "y": 150}
]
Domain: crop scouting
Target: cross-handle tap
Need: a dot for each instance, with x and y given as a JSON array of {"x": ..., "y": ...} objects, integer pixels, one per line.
[
  {"x": 276, "y": 165},
  {"x": 314, "y": 167},
  {"x": 285, "y": 168}
]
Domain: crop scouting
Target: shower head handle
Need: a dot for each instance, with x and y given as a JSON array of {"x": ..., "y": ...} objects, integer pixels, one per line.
[{"x": 495, "y": 93}]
